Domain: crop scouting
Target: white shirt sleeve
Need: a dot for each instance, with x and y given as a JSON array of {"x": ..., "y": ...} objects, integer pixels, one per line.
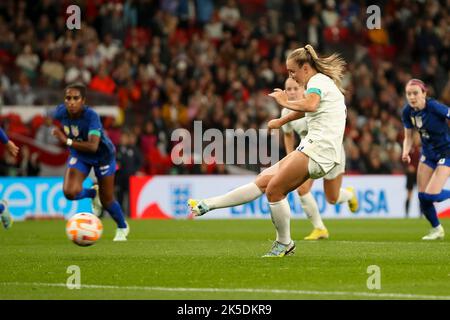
[
  {"x": 317, "y": 85},
  {"x": 287, "y": 128}
]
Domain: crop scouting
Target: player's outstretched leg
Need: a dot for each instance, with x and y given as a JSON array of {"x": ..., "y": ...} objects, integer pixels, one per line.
[
  {"x": 238, "y": 196},
  {"x": 5, "y": 216},
  {"x": 197, "y": 207}
]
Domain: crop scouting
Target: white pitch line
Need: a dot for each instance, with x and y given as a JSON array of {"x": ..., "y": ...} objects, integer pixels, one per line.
[
  {"x": 382, "y": 242},
  {"x": 239, "y": 290}
]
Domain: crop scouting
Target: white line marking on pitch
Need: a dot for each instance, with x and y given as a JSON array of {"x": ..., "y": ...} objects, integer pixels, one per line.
[{"x": 239, "y": 290}]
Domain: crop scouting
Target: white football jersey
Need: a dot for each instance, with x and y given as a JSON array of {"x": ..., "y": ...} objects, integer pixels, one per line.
[
  {"x": 326, "y": 125},
  {"x": 299, "y": 125}
]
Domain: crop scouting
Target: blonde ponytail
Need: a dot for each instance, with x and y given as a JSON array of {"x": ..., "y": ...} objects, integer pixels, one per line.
[{"x": 333, "y": 66}]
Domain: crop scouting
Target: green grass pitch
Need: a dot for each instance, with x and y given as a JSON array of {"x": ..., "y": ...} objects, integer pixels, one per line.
[{"x": 221, "y": 259}]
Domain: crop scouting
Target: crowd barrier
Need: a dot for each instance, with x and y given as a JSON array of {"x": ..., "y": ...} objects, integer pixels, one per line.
[
  {"x": 40, "y": 198},
  {"x": 165, "y": 197}
]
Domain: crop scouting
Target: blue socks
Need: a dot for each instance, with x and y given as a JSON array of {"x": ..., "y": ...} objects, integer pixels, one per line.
[
  {"x": 114, "y": 208},
  {"x": 444, "y": 195},
  {"x": 428, "y": 209},
  {"x": 116, "y": 213},
  {"x": 85, "y": 193}
]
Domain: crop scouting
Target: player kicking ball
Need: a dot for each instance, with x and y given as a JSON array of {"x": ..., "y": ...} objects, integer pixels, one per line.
[
  {"x": 291, "y": 122},
  {"x": 294, "y": 122},
  {"x": 317, "y": 154},
  {"x": 89, "y": 148},
  {"x": 5, "y": 215}
]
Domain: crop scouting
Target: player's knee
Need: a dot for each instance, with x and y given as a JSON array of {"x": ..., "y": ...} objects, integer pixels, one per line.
[
  {"x": 273, "y": 194},
  {"x": 302, "y": 190},
  {"x": 331, "y": 198},
  {"x": 106, "y": 201},
  {"x": 261, "y": 183},
  {"x": 71, "y": 193}
]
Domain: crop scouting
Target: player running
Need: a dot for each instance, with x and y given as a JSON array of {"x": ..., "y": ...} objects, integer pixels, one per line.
[
  {"x": 289, "y": 122},
  {"x": 429, "y": 117},
  {"x": 89, "y": 148},
  {"x": 5, "y": 215},
  {"x": 316, "y": 155}
]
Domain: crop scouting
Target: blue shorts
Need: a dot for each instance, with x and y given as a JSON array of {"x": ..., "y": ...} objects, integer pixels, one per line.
[
  {"x": 100, "y": 171},
  {"x": 433, "y": 163}
]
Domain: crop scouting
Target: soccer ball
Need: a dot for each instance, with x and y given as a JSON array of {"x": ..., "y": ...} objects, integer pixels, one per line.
[{"x": 84, "y": 229}]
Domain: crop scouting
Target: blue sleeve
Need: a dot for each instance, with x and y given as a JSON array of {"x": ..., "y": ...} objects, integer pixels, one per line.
[
  {"x": 439, "y": 109},
  {"x": 3, "y": 137},
  {"x": 95, "y": 126},
  {"x": 406, "y": 118},
  {"x": 57, "y": 113}
]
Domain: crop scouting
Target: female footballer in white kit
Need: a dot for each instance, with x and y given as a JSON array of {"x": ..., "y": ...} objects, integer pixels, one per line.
[
  {"x": 290, "y": 122},
  {"x": 316, "y": 155}
]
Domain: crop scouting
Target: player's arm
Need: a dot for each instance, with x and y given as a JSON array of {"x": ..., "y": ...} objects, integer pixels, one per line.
[
  {"x": 90, "y": 146},
  {"x": 441, "y": 109},
  {"x": 309, "y": 103},
  {"x": 407, "y": 145},
  {"x": 289, "y": 141},
  {"x": 10, "y": 146},
  {"x": 279, "y": 122}
]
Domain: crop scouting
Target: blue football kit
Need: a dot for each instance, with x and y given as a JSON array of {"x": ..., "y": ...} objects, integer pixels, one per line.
[
  {"x": 431, "y": 122},
  {"x": 103, "y": 160}
]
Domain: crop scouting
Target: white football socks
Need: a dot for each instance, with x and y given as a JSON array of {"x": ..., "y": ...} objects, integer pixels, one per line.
[
  {"x": 311, "y": 209},
  {"x": 344, "y": 196},
  {"x": 281, "y": 218},
  {"x": 238, "y": 196}
]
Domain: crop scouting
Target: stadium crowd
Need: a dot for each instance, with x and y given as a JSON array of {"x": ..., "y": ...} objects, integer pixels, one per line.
[{"x": 167, "y": 63}]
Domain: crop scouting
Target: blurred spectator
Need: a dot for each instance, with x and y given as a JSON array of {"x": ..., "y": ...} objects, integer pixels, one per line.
[
  {"x": 28, "y": 61},
  {"x": 102, "y": 82},
  {"x": 9, "y": 165},
  {"x": 44, "y": 133},
  {"x": 112, "y": 20},
  {"x": 22, "y": 93},
  {"x": 92, "y": 58},
  {"x": 174, "y": 112},
  {"x": 108, "y": 49},
  {"x": 129, "y": 161},
  {"x": 77, "y": 72},
  {"x": 5, "y": 85},
  {"x": 230, "y": 15},
  {"x": 52, "y": 69},
  {"x": 411, "y": 171},
  {"x": 329, "y": 15},
  {"x": 29, "y": 165}
]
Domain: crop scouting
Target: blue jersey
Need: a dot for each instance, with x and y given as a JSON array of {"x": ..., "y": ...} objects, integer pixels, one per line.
[
  {"x": 3, "y": 137},
  {"x": 79, "y": 129},
  {"x": 432, "y": 125}
]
